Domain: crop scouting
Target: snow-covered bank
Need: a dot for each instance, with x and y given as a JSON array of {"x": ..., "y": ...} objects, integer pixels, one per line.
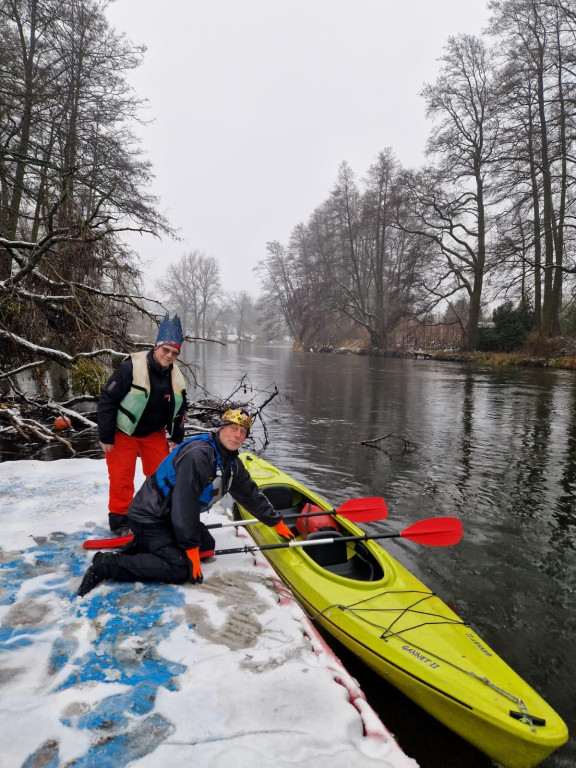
[{"x": 227, "y": 673}]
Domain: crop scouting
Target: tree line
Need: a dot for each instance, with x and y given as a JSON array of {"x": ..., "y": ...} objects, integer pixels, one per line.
[{"x": 487, "y": 221}]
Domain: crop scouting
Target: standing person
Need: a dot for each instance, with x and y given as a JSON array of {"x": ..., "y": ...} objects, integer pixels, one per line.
[
  {"x": 165, "y": 513},
  {"x": 143, "y": 399}
]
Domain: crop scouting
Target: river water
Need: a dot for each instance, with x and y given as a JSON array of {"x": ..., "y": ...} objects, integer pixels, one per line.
[{"x": 496, "y": 448}]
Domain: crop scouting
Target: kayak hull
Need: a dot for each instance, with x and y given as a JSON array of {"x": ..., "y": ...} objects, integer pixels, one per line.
[{"x": 407, "y": 635}]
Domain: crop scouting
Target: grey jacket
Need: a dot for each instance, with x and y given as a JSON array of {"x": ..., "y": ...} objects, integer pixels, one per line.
[{"x": 194, "y": 472}]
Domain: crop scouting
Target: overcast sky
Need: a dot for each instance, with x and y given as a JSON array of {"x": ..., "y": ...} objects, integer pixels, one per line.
[{"x": 255, "y": 103}]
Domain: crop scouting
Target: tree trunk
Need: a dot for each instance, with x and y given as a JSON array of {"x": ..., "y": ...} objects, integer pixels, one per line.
[{"x": 13, "y": 212}]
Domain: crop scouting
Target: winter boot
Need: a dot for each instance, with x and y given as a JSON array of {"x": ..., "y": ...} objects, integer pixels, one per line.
[{"x": 96, "y": 573}]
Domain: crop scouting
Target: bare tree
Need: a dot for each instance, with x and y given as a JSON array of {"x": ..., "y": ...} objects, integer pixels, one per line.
[
  {"x": 351, "y": 269},
  {"x": 538, "y": 86},
  {"x": 243, "y": 307},
  {"x": 394, "y": 258},
  {"x": 450, "y": 202},
  {"x": 282, "y": 297},
  {"x": 192, "y": 287}
]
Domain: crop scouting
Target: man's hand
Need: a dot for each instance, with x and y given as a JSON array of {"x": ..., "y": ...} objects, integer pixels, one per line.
[
  {"x": 106, "y": 447},
  {"x": 194, "y": 557},
  {"x": 283, "y": 530}
]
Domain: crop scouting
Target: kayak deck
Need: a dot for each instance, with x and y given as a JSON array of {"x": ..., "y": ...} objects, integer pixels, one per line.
[{"x": 375, "y": 607}]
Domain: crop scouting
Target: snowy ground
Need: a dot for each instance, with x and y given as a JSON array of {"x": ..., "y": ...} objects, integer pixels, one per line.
[{"x": 225, "y": 674}]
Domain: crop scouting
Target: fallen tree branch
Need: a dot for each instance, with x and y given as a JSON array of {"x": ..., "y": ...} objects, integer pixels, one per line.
[
  {"x": 29, "y": 419},
  {"x": 391, "y": 437},
  {"x": 28, "y": 428}
]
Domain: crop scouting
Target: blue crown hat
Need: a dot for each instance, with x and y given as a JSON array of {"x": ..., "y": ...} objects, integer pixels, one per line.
[{"x": 170, "y": 332}]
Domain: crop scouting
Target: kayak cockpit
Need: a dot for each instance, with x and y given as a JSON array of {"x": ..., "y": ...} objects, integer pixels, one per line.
[{"x": 350, "y": 560}]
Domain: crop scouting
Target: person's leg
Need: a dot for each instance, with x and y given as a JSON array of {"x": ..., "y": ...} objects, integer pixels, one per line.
[
  {"x": 121, "y": 463},
  {"x": 153, "y": 558},
  {"x": 207, "y": 541},
  {"x": 159, "y": 559},
  {"x": 152, "y": 449}
]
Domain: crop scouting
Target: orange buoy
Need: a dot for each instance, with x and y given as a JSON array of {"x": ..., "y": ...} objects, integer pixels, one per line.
[{"x": 62, "y": 422}]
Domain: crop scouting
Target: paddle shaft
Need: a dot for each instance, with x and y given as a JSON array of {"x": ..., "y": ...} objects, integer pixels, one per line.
[
  {"x": 444, "y": 536},
  {"x": 121, "y": 540},
  {"x": 306, "y": 543},
  {"x": 238, "y": 523},
  {"x": 363, "y": 510}
]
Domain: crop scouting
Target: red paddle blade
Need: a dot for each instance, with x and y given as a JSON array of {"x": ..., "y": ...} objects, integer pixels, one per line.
[
  {"x": 110, "y": 543},
  {"x": 367, "y": 510},
  {"x": 119, "y": 541},
  {"x": 436, "y": 532}
]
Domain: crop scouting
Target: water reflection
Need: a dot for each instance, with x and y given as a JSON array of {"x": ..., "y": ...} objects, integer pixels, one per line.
[{"x": 564, "y": 509}]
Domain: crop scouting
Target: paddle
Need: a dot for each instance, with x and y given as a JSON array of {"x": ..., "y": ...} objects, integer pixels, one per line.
[
  {"x": 364, "y": 510},
  {"x": 435, "y": 532},
  {"x": 368, "y": 510}
]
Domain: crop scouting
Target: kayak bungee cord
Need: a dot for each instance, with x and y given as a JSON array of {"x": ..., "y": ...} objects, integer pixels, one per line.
[
  {"x": 387, "y": 631},
  {"x": 387, "y": 634}
]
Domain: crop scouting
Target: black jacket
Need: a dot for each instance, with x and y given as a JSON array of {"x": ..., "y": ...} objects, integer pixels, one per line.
[
  {"x": 195, "y": 471},
  {"x": 158, "y": 411}
]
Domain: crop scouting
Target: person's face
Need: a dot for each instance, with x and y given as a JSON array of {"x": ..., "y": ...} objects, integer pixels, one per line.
[
  {"x": 165, "y": 355},
  {"x": 232, "y": 436}
]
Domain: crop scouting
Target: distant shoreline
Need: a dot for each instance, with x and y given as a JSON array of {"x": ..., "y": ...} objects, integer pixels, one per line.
[{"x": 558, "y": 360}]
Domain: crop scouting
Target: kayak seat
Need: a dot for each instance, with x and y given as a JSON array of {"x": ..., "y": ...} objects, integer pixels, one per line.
[
  {"x": 334, "y": 558},
  {"x": 280, "y": 496},
  {"x": 327, "y": 554},
  {"x": 282, "y": 499}
]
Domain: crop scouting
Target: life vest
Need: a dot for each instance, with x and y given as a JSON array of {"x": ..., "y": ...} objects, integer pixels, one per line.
[
  {"x": 165, "y": 475},
  {"x": 133, "y": 404}
]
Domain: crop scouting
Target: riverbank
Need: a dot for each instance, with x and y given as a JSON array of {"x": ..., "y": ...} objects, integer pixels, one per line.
[
  {"x": 495, "y": 359},
  {"x": 557, "y": 353}
]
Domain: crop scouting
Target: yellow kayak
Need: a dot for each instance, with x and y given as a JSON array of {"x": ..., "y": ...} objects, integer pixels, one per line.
[{"x": 388, "y": 618}]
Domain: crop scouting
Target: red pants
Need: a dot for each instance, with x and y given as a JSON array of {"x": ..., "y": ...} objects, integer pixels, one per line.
[{"x": 121, "y": 463}]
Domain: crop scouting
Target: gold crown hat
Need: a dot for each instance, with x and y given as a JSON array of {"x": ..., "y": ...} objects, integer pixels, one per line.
[{"x": 237, "y": 416}]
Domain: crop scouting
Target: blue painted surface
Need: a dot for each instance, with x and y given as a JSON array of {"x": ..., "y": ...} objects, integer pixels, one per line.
[{"x": 124, "y": 725}]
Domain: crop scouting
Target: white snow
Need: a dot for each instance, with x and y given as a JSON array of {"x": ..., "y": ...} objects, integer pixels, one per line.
[{"x": 226, "y": 674}]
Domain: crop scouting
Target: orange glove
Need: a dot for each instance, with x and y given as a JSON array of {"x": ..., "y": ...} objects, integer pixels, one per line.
[
  {"x": 284, "y": 531},
  {"x": 194, "y": 557}
]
